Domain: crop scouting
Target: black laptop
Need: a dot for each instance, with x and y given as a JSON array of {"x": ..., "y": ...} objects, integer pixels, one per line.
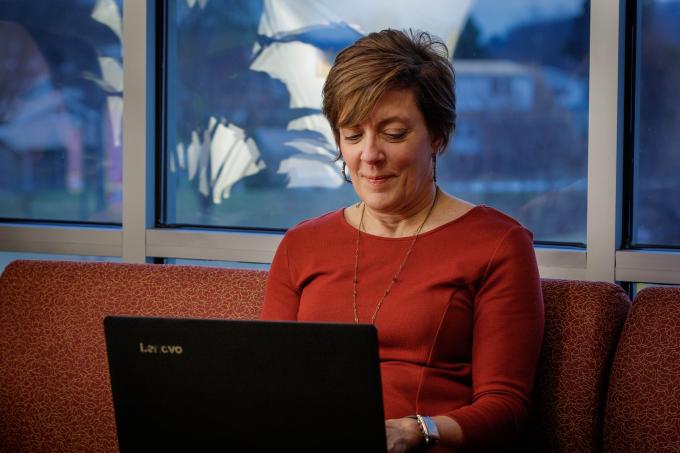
[{"x": 227, "y": 385}]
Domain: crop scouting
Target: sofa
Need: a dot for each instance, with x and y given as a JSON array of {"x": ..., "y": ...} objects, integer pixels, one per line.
[{"x": 607, "y": 380}]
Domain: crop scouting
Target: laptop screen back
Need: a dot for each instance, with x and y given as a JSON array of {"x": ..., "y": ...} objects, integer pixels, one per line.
[{"x": 191, "y": 384}]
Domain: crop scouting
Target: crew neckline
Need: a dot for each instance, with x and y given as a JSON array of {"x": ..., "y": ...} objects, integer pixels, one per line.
[{"x": 458, "y": 219}]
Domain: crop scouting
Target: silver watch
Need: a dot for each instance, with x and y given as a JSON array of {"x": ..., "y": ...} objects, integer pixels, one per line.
[{"x": 429, "y": 429}]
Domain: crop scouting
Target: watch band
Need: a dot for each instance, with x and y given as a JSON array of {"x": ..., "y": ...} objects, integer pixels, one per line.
[{"x": 428, "y": 428}]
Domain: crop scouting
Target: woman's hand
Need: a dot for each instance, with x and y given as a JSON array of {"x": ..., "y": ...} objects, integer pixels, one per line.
[{"x": 403, "y": 434}]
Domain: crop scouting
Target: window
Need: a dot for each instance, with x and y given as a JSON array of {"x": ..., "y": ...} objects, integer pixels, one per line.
[
  {"x": 247, "y": 146},
  {"x": 656, "y": 198},
  {"x": 241, "y": 136},
  {"x": 61, "y": 110}
]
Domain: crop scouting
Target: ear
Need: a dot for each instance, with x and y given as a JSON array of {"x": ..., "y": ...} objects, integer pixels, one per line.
[{"x": 436, "y": 145}]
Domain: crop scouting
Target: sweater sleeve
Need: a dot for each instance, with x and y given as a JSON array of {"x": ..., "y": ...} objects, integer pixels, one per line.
[
  {"x": 281, "y": 296},
  {"x": 506, "y": 342}
]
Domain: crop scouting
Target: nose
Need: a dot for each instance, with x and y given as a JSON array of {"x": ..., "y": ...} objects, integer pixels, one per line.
[{"x": 371, "y": 152}]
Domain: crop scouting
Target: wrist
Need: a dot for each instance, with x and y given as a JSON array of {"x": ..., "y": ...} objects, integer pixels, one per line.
[{"x": 428, "y": 429}]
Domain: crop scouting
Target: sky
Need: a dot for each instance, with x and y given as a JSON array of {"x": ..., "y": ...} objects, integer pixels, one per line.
[{"x": 497, "y": 16}]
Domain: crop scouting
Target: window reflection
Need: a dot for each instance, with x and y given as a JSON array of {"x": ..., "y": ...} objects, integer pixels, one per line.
[
  {"x": 60, "y": 110},
  {"x": 657, "y": 185},
  {"x": 257, "y": 67}
]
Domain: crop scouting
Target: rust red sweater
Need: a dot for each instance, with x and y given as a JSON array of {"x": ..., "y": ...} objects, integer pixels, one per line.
[{"x": 461, "y": 330}]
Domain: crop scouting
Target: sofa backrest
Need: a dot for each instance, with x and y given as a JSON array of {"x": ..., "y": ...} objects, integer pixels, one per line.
[
  {"x": 643, "y": 405},
  {"x": 54, "y": 383},
  {"x": 583, "y": 321}
]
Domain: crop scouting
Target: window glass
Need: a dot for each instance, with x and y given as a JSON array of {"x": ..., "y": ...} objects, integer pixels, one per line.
[
  {"x": 247, "y": 145},
  {"x": 656, "y": 210},
  {"x": 61, "y": 104}
]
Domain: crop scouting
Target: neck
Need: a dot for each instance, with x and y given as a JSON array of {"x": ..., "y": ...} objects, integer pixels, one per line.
[{"x": 403, "y": 223}]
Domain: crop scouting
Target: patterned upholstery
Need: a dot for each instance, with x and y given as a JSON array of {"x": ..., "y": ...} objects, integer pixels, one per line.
[
  {"x": 583, "y": 321},
  {"x": 54, "y": 383},
  {"x": 643, "y": 405}
]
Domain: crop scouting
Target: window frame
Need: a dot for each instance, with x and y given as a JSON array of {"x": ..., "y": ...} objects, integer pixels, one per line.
[{"x": 139, "y": 240}]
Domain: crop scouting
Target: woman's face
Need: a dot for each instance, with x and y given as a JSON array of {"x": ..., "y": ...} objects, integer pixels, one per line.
[{"x": 389, "y": 155}]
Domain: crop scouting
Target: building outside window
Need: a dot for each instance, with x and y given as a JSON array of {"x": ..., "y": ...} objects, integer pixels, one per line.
[{"x": 247, "y": 145}]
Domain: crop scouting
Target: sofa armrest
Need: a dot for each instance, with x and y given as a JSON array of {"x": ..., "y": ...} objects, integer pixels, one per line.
[
  {"x": 643, "y": 404},
  {"x": 583, "y": 321}
]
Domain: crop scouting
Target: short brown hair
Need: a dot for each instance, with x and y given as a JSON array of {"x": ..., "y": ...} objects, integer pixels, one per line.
[{"x": 387, "y": 60}]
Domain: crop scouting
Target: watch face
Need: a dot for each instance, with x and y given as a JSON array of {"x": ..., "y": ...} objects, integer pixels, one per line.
[{"x": 431, "y": 431}]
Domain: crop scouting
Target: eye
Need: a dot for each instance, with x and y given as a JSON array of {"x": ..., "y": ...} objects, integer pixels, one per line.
[
  {"x": 352, "y": 137},
  {"x": 396, "y": 135}
]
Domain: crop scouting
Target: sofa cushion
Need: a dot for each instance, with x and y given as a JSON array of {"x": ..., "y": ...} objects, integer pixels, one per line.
[
  {"x": 583, "y": 321},
  {"x": 54, "y": 384},
  {"x": 643, "y": 405}
]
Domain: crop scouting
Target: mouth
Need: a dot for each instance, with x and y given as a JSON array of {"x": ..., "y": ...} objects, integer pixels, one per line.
[{"x": 377, "y": 180}]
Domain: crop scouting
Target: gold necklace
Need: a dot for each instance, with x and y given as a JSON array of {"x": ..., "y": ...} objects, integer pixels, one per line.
[{"x": 403, "y": 262}]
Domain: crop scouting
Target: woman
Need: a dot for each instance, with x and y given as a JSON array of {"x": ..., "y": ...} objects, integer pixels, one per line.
[{"x": 452, "y": 288}]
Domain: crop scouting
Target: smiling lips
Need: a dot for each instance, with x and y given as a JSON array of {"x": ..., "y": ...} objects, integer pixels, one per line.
[{"x": 377, "y": 180}]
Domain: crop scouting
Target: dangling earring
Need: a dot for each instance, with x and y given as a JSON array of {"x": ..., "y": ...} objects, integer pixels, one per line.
[
  {"x": 344, "y": 175},
  {"x": 434, "y": 167}
]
